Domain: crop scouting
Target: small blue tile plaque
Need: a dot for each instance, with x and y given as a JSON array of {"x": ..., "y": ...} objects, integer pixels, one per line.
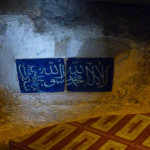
[
  {"x": 90, "y": 74},
  {"x": 41, "y": 75}
]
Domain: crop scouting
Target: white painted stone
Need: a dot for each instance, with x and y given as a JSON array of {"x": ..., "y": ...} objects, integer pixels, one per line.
[{"x": 20, "y": 41}]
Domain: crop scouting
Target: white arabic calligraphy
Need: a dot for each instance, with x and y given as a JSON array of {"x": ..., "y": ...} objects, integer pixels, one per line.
[
  {"x": 34, "y": 77},
  {"x": 92, "y": 75}
]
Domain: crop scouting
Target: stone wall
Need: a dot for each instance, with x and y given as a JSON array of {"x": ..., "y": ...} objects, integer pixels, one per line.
[{"x": 50, "y": 28}]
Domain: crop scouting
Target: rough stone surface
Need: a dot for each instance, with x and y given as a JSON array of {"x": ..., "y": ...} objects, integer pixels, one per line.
[{"x": 58, "y": 28}]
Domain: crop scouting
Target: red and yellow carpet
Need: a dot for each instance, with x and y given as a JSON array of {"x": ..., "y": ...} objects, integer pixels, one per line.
[{"x": 129, "y": 132}]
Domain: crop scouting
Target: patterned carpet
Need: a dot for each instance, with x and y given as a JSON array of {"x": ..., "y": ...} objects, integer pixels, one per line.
[{"x": 129, "y": 132}]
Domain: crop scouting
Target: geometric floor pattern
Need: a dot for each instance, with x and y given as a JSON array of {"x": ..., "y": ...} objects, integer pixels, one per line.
[{"x": 129, "y": 132}]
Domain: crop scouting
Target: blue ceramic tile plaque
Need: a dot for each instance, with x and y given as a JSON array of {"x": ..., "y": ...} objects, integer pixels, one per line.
[
  {"x": 90, "y": 74},
  {"x": 41, "y": 75}
]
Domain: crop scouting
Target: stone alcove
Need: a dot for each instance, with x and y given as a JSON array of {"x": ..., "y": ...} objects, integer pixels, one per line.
[{"x": 70, "y": 28}]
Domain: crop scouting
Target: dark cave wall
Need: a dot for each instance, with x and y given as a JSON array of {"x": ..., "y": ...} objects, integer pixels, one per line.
[
  {"x": 126, "y": 21},
  {"x": 72, "y": 28}
]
